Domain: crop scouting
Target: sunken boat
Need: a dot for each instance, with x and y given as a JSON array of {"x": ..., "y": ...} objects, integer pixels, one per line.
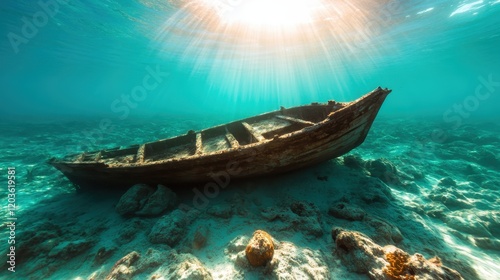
[{"x": 271, "y": 143}]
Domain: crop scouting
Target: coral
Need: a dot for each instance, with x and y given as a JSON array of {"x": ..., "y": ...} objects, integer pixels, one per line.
[
  {"x": 260, "y": 249},
  {"x": 398, "y": 266}
]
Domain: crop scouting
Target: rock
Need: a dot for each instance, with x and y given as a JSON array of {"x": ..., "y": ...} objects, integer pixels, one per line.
[
  {"x": 302, "y": 209},
  {"x": 488, "y": 159},
  {"x": 361, "y": 255},
  {"x": 170, "y": 229},
  {"x": 123, "y": 268},
  {"x": 487, "y": 243},
  {"x": 291, "y": 262},
  {"x": 200, "y": 237},
  {"x": 386, "y": 232},
  {"x": 461, "y": 221},
  {"x": 260, "y": 248},
  {"x": 223, "y": 211},
  {"x": 384, "y": 170},
  {"x": 35, "y": 240},
  {"x": 301, "y": 216},
  {"x": 154, "y": 258},
  {"x": 353, "y": 161},
  {"x": 491, "y": 185},
  {"x": 344, "y": 211},
  {"x": 272, "y": 213},
  {"x": 431, "y": 269},
  {"x": 436, "y": 210},
  {"x": 477, "y": 178},
  {"x": 158, "y": 202},
  {"x": 447, "y": 182},
  {"x": 133, "y": 199},
  {"x": 70, "y": 249},
  {"x": 103, "y": 254},
  {"x": 185, "y": 267},
  {"x": 288, "y": 262},
  {"x": 129, "y": 230},
  {"x": 236, "y": 245},
  {"x": 450, "y": 199}
]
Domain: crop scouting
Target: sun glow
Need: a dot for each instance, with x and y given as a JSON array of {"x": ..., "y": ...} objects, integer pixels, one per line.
[
  {"x": 262, "y": 49},
  {"x": 271, "y": 13}
]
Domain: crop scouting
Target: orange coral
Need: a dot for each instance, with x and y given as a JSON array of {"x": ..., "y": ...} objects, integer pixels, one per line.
[
  {"x": 260, "y": 249},
  {"x": 398, "y": 266}
]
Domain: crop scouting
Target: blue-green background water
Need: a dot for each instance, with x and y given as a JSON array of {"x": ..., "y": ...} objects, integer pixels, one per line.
[
  {"x": 66, "y": 84},
  {"x": 91, "y": 53}
]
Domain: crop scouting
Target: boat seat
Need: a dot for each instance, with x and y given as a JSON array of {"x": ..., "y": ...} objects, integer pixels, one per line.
[
  {"x": 140, "y": 154},
  {"x": 199, "y": 146},
  {"x": 254, "y": 134},
  {"x": 231, "y": 139},
  {"x": 295, "y": 120}
]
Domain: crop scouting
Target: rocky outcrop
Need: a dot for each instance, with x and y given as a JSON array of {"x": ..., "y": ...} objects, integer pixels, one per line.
[
  {"x": 165, "y": 265},
  {"x": 361, "y": 255},
  {"x": 124, "y": 268}
]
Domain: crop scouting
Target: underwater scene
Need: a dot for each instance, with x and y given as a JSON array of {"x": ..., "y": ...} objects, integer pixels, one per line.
[{"x": 250, "y": 139}]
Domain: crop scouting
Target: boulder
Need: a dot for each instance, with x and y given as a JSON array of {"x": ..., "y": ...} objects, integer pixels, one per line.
[
  {"x": 133, "y": 199},
  {"x": 158, "y": 202},
  {"x": 170, "y": 229},
  {"x": 260, "y": 248}
]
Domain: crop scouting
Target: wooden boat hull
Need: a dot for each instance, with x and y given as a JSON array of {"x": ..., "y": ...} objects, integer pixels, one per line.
[{"x": 345, "y": 128}]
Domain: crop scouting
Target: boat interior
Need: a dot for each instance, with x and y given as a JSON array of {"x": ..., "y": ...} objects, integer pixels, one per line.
[{"x": 219, "y": 138}]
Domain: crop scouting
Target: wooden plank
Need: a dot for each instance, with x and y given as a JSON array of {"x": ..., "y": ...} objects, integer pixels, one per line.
[
  {"x": 232, "y": 141},
  {"x": 257, "y": 136},
  {"x": 98, "y": 156},
  {"x": 295, "y": 120},
  {"x": 199, "y": 145},
  {"x": 141, "y": 153},
  {"x": 81, "y": 157}
]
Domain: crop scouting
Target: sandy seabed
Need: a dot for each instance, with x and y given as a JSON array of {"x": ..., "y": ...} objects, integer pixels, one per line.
[{"x": 436, "y": 196}]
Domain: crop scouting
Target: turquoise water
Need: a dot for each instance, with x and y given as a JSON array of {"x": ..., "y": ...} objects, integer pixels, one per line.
[
  {"x": 90, "y": 54},
  {"x": 85, "y": 75}
]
